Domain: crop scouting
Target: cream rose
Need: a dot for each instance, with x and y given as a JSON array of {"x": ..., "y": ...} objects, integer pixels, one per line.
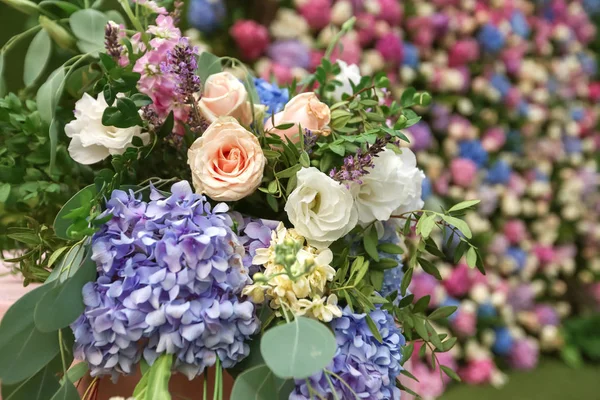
[
  {"x": 320, "y": 208},
  {"x": 91, "y": 141},
  {"x": 224, "y": 95},
  {"x": 227, "y": 162},
  {"x": 304, "y": 110}
]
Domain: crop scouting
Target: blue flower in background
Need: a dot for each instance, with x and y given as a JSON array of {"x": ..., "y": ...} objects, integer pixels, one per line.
[
  {"x": 572, "y": 145},
  {"x": 426, "y": 189},
  {"x": 592, "y": 6},
  {"x": 504, "y": 341},
  {"x": 577, "y": 113},
  {"x": 368, "y": 367},
  {"x": 271, "y": 95},
  {"x": 411, "y": 55},
  {"x": 501, "y": 84},
  {"x": 541, "y": 176},
  {"x": 519, "y": 24},
  {"x": 518, "y": 256},
  {"x": 491, "y": 39},
  {"x": 589, "y": 64},
  {"x": 474, "y": 151},
  {"x": 486, "y": 310},
  {"x": 499, "y": 174},
  {"x": 206, "y": 15}
]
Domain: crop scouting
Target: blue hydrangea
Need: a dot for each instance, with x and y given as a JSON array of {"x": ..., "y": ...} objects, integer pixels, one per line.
[
  {"x": 271, "y": 95},
  {"x": 369, "y": 368},
  {"x": 474, "y": 151},
  {"x": 206, "y": 15},
  {"x": 426, "y": 189},
  {"x": 411, "y": 55},
  {"x": 501, "y": 84},
  {"x": 573, "y": 145},
  {"x": 499, "y": 174},
  {"x": 519, "y": 24},
  {"x": 253, "y": 233},
  {"x": 170, "y": 275},
  {"x": 392, "y": 278},
  {"x": 491, "y": 39},
  {"x": 486, "y": 310},
  {"x": 592, "y": 7},
  {"x": 451, "y": 302},
  {"x": 518, "y": 256},
  {"x": 504, "y": 341}
]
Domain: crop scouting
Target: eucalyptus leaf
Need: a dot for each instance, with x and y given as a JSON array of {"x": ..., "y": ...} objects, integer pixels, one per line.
[
  {"x": 64, "y": 303},
  {"x": 259, "y": 383},
  {"x": 40, "y": 386},
  {"x": 61, "y": 224},
  {"x": 37, "y": 57},
  {"x": 298, "y": 349},
  {"x": 116, "y": 17},
  {"x": 208, "y": 64},
  {"x": 19, "y": 340},
  {"x": 66, "y": 6},
  {"x": 49, "y": 93},
  {"x": 88, "y": 25},
  {"x": 66, "y": 392},
  {"x": 370, "y": 242},
  {"x": 77, "y": 371}
]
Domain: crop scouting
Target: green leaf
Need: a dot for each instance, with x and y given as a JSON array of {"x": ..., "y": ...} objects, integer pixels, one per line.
[
  {"x": 167, "y": 127},
  {"x": 4, "y": 192},
  {"x": 88, "y": 25},
  {"x": 442, "y": 312},
  {"x": 298, "y": 349},
  {"x": 338, "y": 149},
  {"x": 390, "y": 248},
  {"x": 458, "y": 224},
  {"x": 158, "y": 378},
  {"x": 208, "y": 64},
  {"x": 40, "y": 386},
  {"x": 464, "y": 205},
  {"x": 421, "y": 304},
  {"x": 49, "y": 93},
  {"x": 62, "y": 305},
  {"x": 66, "y": 392},
  {"x": 67, "y": 7},
  {"x": 24, "y": 350},
  {"x": 61, "y": 224},
  {"x": 471, "y": 257},
  {"x": 430, "y": 268},
  {"x": 426, "y": 225},
  {"x": 406, "y": 281},
  {"x": 370, "y": 241},
  {"x": 124, "y": 115},
  {"x": 259, "y": 383},
  {"x": 77, "y": 371},
  {"x": 374, "y": 329},
  {"x": 116, "y": 17},
  {"x": 448, "y": 371},
  {"x": 37, "y": 57},
  {"x": 407, "y": 97}
]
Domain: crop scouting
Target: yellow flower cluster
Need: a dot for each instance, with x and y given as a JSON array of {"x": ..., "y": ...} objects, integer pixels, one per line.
[{"x": 303, "y": 290}]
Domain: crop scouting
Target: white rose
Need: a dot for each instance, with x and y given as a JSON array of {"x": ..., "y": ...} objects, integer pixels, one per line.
[
  {"x": 91, "y": 141},
  {"x": 394, "y": 183},
  {"x": 348, "y": 73},
  {"x": 321, "y": 209}
]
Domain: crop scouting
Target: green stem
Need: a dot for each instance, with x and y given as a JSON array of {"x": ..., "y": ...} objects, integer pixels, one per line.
[
  {"x": 62, "y": 352},
  {"x": 339, "y": 378},
  {"x": 13, "y": 40},
  {"x": 333, "y": 391},
  {"x": 218, "y": 377},
  {"x": 205, "y": 391},
  {"x": 136, "y": 22}
]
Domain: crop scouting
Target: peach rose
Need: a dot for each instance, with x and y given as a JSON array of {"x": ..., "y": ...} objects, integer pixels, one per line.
[
  {"x": 224, "y": 95},
  {"x": 304, "y": 110},
  {"x": 227, "y": 162}
]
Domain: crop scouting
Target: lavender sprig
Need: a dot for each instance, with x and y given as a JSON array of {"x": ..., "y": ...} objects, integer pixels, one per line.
[
  {"x": 355, "y": 166},
  {"x": 310, "y": 140},
  {"x": 111, "y": 40},
  {"x": 182, "y": 63},
  {"x": 177, "y": 10}
]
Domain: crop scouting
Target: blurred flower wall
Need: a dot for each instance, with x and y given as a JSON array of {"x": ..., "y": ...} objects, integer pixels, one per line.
[{"x": 514, "y": 122}]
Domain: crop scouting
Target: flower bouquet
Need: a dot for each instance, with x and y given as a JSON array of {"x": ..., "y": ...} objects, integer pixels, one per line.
[{"x": 232, "y": 225}]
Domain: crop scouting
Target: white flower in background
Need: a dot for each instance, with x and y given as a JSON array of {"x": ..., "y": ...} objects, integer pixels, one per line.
[
  {"x": 320, "y": 208},
  {"x": 91, "y": 141},
  {"x": 348, "y": 73},
  {"x": 390, "y": 187}
]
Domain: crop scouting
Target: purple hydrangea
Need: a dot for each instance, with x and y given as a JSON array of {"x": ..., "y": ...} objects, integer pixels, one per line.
[
  {"x": 369, "y": 368},
  {"x": 170, "y": 275},
  {"x": 254, "y": 233}
]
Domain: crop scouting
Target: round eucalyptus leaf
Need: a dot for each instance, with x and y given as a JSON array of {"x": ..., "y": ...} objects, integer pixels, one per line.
[
  {"x": 49, "y": 93},
  {"x": 89, "y": 25},
  {"x": 37, "y": 57},
  {"x": 41, "y": 386},
  {"x": 298, "y": 349},
  {"x": 259, "y": 383}
]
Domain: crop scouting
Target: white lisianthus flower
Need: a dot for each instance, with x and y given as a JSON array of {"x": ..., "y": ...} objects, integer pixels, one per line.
[
  {"x": 91, "y": 141},
  {"x": 394, "y": 184},
  {"x": 348, "y": 73},
  {"x": 320, "y": 208}
]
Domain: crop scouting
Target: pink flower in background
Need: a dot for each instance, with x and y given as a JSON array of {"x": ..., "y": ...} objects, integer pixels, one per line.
[
  {"x": 251, "y": 37},
  {"x": 524, "y": 354},
  {"x": 316, "y": 12},
  {"x": 463, "y": 52},
  {"x": 390, "y": 11},
  {"x": 424, "y": 285},
  {"x": 493, "y": 139},
  {"x": 515, "y": 230},
  {"x": 594, "y": 91},
  {"x": 458, "y": 283},
  {"x": 464, "y": 323},
  {"x": 546, "y": 315},
  {"x": 391, "y": 49},
  {"x": 544, "y": 253},
  {"x": 430, "y": 385},
  {"x": 463, "y": 171},
  {"x": 282, "y": 74},
  {"x": 350, "y": 50},
  {"x": 365, "y": 25},
  {"x": 477, "y": 372}
]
